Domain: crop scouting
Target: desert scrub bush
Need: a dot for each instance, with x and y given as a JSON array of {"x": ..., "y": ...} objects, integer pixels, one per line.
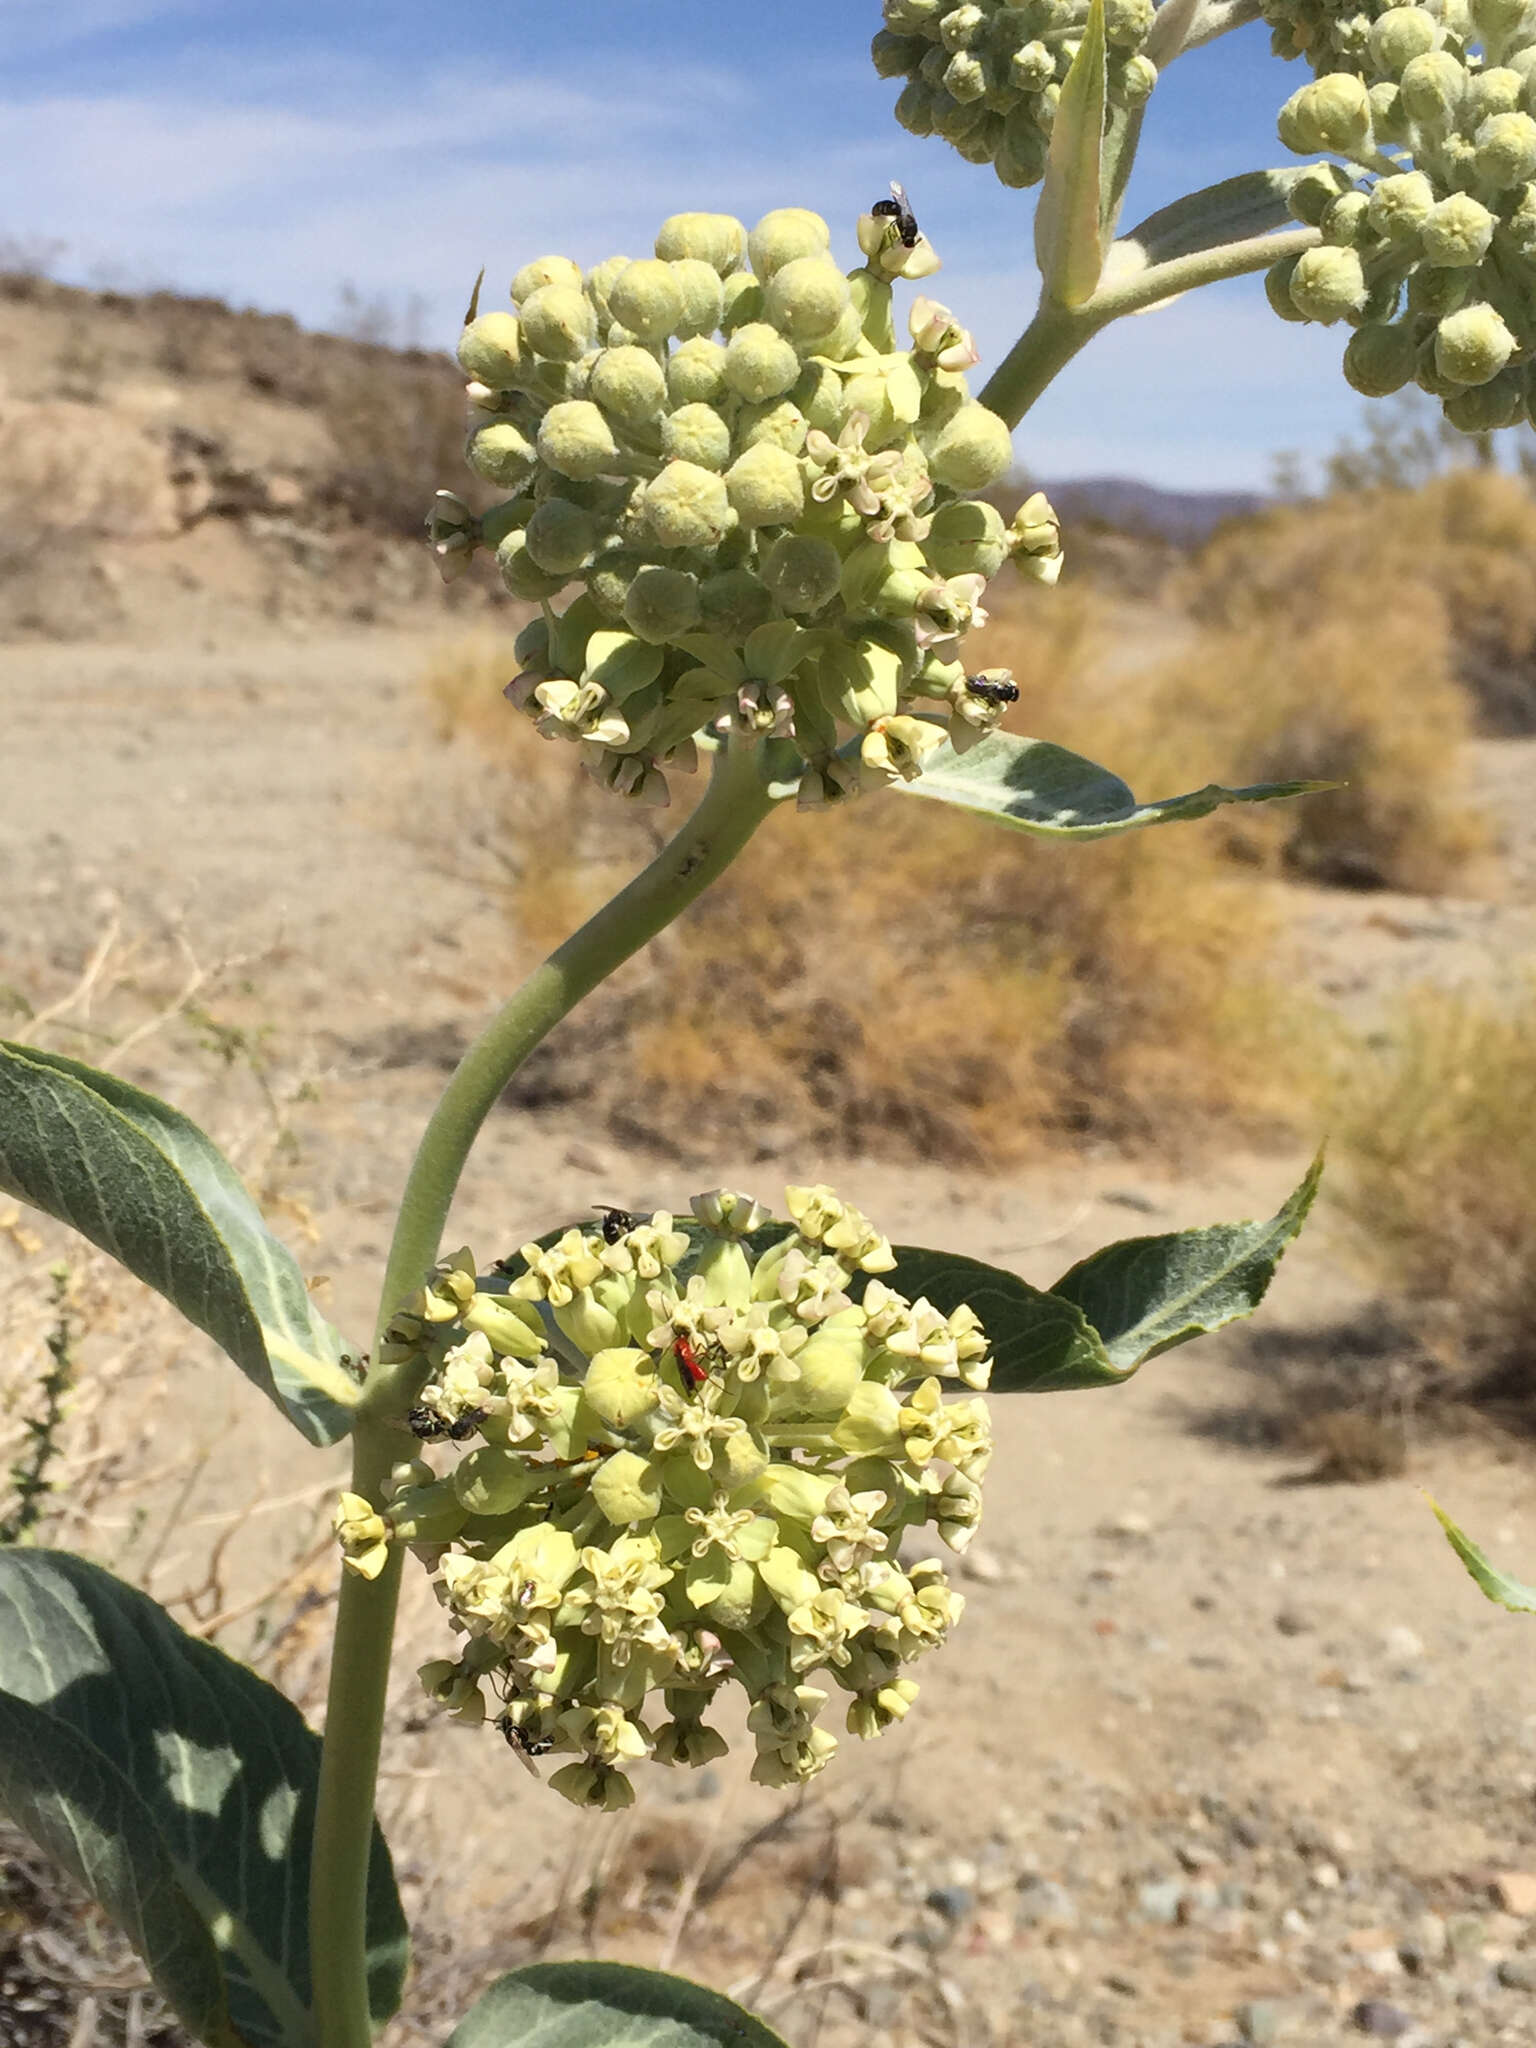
[
  {"x": 1438, "y": 1176},
  {"x": 1456, "y": 551},
  {"x": 1118, "y": 993}
]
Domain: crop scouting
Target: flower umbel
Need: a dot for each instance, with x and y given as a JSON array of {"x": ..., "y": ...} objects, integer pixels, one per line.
[
  {"x": 717, "y": 1492},
  {"x": 726, "y": 488}
]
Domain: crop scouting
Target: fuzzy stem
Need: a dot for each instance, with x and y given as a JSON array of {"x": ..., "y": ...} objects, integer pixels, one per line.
[
  {"x": 1057, "y": 332},
  {"x": 734, "y": 805}
]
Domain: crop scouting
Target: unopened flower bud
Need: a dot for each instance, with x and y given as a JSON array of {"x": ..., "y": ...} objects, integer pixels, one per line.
[
  {"x": 781, "y": 236},
  {"x": 973, "y": 449},
  {"x": 1432, "y": 88},
  {"x": 805, "y": 298},
  {"x": 662, "y": 604},
  {"x": 1399, "y": 206},
  {"x": 1473, "y": 345},
  {"x": 759, "y": 362},
  {"x": 967, "y": 537},
  {"x": 542, "y": 271},
  {"x": 1490, "y": 92},
  {"x": 648, "y": 299},
  {"x": 1457, "y": 231},
  {"x": 1380, "y": 359},
  {"x": 1501, "y": 402},
  {"x": 502, "y": 454},
  {"x": 802, "y": 573},
  {"x": 522, "y": 576},
  {"x": 1344, "y": 220},
  {"x": 1401, "y": 34},
  {"x": 1327, "y": 284},
  {"x": 1506, "y": 150},
  {"x": 703, "y": 300},
  {"x": 490, "y": 350},
  {"x": 696, "y": 372},
  {"x": 686, "y": 506},
  {"x": 1438, "y": 292},
  {"x": 1331, "y": 113},
  {"x": 718, "y": 239},
  {"x": 765, "y": 487},
  {"x": 559, "y": 321},
  {"x": 629, "y": 384},
  {"x": 560, "y": 536},
  {"x": 620, "y": 1386},
  {"x": 576, "y": 440}
]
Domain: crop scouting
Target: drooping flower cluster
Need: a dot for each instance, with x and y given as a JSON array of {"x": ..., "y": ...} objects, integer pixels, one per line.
[
  {"x": 747, "y": 496},
  {"x": 986, "y": 75},
  {"x": 690, "y": 1461},
  {"x": 1429, "y": 228}
]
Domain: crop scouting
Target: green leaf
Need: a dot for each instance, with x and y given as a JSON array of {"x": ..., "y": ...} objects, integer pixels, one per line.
[
  {"x": 605, "y": 2005},
  {"x": 1038, "y": 787},
  {"x": 1069, "y": 234},
  {"x": 1233, "y": 211},
  {"x": 145, "y": 1184},
  {"x": 1148, "y": 1294},
  {"x": 1116, "y": 1309},
  {"x": 179, "y": 1789},
  {"x": 1497, "y": 1585}
]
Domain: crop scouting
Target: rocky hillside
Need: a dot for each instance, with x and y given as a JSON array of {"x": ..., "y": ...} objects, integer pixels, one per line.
[{"x": 166, "y": 460}]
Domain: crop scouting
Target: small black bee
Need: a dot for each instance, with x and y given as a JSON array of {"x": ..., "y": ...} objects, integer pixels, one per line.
[
  {"x": 898, "y": 208},
  {"x": 616, "y": 1223},
  {"x": 992, "y": 692},
  {"x": 524, "y": 1747},
  {"x": 431, "y": 1428}
]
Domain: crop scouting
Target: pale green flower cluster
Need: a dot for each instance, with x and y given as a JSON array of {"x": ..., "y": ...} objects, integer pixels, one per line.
[
  {"x": 1429, "y": 228},
  {"x": 747, "y": 497},
  {"x": 986, "y": 75},
  {"x": 690, "y": 1464}
]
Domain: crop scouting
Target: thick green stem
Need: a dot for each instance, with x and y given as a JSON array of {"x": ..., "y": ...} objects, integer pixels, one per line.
[
  {"x": 1057, "y": 332},
  {"x": 735, "y": 804}
]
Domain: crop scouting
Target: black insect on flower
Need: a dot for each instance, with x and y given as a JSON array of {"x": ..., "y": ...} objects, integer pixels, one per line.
[
  {"x": 616, "y": 1223},
  {"x": 998, "y": 690},
  {"x": 898, "y": 208},
  {"x": 430, "y": 1427},
  {"x": 524, "y": 1747}
]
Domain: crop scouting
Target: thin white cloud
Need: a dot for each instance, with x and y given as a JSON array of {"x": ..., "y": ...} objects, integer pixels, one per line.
[{"x": 404, "y": 187}]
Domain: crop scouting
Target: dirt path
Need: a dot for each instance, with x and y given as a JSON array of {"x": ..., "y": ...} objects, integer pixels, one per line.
[{"x": 1215, "y": 1755}]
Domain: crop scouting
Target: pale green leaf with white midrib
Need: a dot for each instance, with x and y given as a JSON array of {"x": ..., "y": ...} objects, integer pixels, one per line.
[
  {"x": 1037, "y": 787},
  {"x": 1145, "y": 1295},
  {"x": 141, "y": 1181},
  {"x": 216, "y": 1773}
]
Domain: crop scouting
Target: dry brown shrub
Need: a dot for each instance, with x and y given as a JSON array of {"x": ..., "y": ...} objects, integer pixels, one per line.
[
  {"x": 1455, "y": 553},
  {"x": 1436, "y": 1144},
  {"x": 897, "y": 979}
]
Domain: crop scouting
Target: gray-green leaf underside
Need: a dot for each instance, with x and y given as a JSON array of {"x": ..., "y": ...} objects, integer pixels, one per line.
[
  {"x": 1236, "y": 209},
  {"x": 605, "y": 2005},
  {"x": 178, "y": 1788},
  {"x": 145, "y": 1184},
  {"x": 1036, "y": 786},
  {"x": 1118, "y": 1307}
]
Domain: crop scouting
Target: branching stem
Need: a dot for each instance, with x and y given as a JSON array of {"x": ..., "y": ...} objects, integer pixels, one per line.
[{"x": 1057, "y": 332}]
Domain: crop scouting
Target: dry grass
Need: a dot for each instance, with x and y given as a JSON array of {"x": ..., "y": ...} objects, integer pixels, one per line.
[
  {"x": 894, "y": 979},
  {"x": 1437, "y": 1169},
  {"x": 1449, "y": 561}
]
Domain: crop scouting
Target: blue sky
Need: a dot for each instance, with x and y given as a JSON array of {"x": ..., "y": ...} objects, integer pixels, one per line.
[{"x": 273, "y": 154}]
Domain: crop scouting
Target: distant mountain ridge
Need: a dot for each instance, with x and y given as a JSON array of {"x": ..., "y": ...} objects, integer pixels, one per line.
[{"x": 1184, "y": 517}]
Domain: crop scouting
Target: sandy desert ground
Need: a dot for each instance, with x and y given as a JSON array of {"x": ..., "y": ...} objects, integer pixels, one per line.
[{"x": 1218, "y": 1754}]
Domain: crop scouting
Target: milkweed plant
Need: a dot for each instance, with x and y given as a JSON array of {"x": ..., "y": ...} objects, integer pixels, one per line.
[{"x": 650, "y": 1460}]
